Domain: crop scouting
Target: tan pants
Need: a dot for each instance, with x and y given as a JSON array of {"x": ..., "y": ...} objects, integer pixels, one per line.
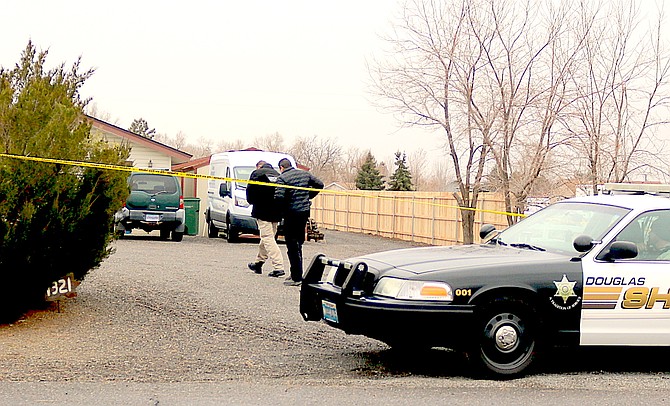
[{"x": 268, "y": 248}]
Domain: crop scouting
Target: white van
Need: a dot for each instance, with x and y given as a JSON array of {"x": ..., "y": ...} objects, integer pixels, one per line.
[{"x": 227, "y": 209}]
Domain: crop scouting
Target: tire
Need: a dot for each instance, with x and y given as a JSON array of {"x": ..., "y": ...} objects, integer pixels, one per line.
[
  {"x": 164, "y": 234},
  {"x": 506, "y": 340},
  {"x": 212, "y": 231},
  {"x": 177, "y": 237},
  {"x": 231, "y": 232}
]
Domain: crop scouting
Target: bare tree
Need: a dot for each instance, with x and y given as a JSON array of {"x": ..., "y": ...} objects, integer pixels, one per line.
[
  {"x": 527, "y": 66},
  {"x": 202, "y": 148},
  {"x": 622, "y": 85},
  {"x": 513, "y": 84},
  {"x": 440, "y": 178},
  {"x": 92, "y": 110},
  {"x": 321, "y": 155},
  {"x": 179, "y": 140},
  {"x": 428, "y": 79},
  {"x": 271, "y": 142},
  {"x": 417, "y": 162},
  {"x": 350, "y": 161},
  {"x": 230, "y": 145}
]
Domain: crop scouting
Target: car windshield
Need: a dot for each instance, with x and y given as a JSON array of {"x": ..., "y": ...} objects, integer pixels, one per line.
[
  {"x": 555, "y": 227},
  {"x": 242, "y": 172}
]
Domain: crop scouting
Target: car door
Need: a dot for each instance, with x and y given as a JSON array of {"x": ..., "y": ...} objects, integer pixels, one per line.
[
  {"x": 627, "y": 302},
  {"x": 218, "y": 205}
]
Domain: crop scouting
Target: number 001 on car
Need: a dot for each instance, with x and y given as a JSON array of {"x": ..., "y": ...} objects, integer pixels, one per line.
[{"x": 329, "y": 311}]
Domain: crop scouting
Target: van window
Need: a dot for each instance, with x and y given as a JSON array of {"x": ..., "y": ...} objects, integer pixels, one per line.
[{"x": 243, "y": 173}]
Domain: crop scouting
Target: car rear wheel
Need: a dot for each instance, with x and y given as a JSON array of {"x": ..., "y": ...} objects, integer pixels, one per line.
[
  {"x": 212, "y": 231},
  {"x": 177, "y": 237},
  {"x": 506, "y": 342}
]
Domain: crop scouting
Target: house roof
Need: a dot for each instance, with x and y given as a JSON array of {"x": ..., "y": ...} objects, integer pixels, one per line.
[
  {"x": 192, "y": 164},
  {"x": 130, "y": 136}
]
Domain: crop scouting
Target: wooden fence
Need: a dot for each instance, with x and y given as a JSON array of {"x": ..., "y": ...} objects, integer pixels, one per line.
[{"x": 426, "y": 217}]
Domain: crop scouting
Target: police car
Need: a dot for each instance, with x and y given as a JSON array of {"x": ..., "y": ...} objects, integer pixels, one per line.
[{"x": 589, "y": 271}]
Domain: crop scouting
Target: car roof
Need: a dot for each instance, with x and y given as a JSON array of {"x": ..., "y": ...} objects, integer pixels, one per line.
[{"x": 632, "y": 202}]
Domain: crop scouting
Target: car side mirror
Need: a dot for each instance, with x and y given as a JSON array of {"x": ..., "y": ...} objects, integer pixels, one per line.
[
  {"x": 619, "y": 250},
  {"x": 487, "y": 232},
  {"x": 223, "y": 190},
  {"x": 583, "y": 243}
]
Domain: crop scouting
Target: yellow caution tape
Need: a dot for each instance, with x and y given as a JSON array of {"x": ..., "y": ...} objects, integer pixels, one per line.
[{"x": 226, "y": 179}]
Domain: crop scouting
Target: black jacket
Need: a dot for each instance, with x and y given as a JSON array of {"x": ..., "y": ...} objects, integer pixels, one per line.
[
  {"x": 262, "y": 196},
  {"x": 296, "y": 200}
]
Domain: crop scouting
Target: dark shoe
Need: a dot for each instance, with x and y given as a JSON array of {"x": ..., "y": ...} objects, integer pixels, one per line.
[
  {"x": 276, "y": 273},
  {"x": 256, "y": 266},
  {"x": 291, "y": 282}
]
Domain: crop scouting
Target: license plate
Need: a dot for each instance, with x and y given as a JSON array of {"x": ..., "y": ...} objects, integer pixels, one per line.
[
  {"x": 153, "y": 217},
  {"x": 329, "y": 311}
]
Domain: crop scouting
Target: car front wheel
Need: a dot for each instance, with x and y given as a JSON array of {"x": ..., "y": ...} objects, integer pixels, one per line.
[{"x": 506, "y": 342}]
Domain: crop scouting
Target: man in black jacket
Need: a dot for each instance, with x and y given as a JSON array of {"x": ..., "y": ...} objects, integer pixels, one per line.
[
  {"x": 268, "y": 216},
  {"x": 295, "y": 204}
]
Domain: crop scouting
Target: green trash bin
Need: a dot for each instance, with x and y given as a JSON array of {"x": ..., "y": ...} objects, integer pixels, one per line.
[{"x": 192, "y": 209}]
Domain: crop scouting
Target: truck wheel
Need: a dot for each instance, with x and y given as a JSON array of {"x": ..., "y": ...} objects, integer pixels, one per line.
[
  {"x": 505, "y": 342},
  {"x": 231, "y": 232},
  {"x": 177, "y": 237},
  {"x": 212, "y": 231}
]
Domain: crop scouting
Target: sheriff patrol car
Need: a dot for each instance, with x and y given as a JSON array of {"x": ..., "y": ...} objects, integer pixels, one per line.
[{"x": 590, "y": 271}]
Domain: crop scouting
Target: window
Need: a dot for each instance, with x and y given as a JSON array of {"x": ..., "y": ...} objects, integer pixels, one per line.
[{"x": 651, "y": 233}]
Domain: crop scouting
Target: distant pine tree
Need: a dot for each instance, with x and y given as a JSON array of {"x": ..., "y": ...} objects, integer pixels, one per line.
[
  {"x": 401, "y": 178},
  {"x": 368, "y": 177},
  {"x": 141, "y": 127}
]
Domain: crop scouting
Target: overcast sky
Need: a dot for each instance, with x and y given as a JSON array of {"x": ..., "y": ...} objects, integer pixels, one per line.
[{"x": 223, "y": 69}]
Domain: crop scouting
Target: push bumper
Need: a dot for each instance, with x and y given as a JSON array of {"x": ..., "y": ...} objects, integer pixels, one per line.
[{"x": 347, "y": 304}]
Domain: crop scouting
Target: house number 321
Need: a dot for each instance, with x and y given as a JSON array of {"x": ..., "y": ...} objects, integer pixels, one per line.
[{"x": 60, "y": 287}]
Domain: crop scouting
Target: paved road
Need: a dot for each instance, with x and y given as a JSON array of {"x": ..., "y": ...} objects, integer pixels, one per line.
[{"x": 187, "y": 323}]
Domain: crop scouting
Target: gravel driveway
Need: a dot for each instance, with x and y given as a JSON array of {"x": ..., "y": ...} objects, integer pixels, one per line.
[{"x": 160, "y": 312}]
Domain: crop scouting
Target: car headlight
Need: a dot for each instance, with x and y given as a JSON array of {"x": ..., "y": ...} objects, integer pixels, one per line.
[
  {"x": 413, "y": 290},
  {"x": 241, "y": 202}
]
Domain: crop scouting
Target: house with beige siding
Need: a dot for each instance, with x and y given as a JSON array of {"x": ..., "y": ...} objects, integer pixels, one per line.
[{"x": 144, "y": 152}]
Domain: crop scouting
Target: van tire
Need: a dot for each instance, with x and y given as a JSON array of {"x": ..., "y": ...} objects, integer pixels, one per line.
[
  {"x": 231, "y": 232},
  {"x": 212, "y": 231}
]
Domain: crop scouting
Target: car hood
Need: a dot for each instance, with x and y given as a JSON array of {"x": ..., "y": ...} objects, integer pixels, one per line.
[{"x": 429, "y": 260}]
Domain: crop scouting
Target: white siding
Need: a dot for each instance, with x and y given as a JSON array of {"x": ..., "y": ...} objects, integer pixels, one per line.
[{"x": 140, "y": 155}]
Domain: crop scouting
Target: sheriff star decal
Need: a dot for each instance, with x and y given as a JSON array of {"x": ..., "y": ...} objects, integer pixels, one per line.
[{"x": 565, "y": 289}]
